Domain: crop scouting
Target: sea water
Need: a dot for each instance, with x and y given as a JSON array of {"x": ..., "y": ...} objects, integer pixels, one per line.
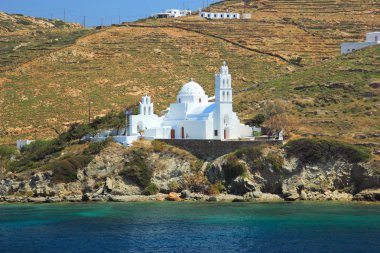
[{"x": 190, "y": 227}]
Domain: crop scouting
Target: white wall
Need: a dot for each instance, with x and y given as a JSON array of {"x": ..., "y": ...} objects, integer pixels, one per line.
[
  {"x": 373, "y": 37},
  {"x": 148, "y": 121},
  {"x": 219, "y": 15},
  {"x": 346, "y": 48}
]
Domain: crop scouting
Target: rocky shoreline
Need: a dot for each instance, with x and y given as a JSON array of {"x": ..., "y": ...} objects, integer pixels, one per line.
[
  {"x": 117, "y": 174},
  {"x": 365, "y": 196}
]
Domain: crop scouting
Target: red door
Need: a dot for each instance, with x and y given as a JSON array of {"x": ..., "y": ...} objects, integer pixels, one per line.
[
  {"x": 183, "y": 132},
  {"x": 172, "y": 133}
]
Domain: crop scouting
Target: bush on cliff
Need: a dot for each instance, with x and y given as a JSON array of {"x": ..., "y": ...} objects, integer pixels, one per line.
[
  {"x": 276, "y": 160},
  {"x": 249, "y": 153},
  {"x": 317, "y": 150},
  {"x": 151, "y": 189},
  {"x": 95, "y": 148},
  {"x": 7, "y": 151},
  {"x": 137, "y": 168},
  {"x": 232, "y": 169},
  {"x": 65, "y": 170},
  {"x": 36, "y": 154}
]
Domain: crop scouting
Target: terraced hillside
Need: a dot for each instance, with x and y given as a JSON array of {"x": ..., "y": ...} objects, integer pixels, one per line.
[
  {"x": 338, "y": 98},
  {"x": 310, "y": 29},
  {"x": 24, "y": 38},
  {"x": 114, "y": 67}
]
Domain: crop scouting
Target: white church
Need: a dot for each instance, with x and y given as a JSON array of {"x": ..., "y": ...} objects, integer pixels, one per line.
[{"x": 193, "y": 116}]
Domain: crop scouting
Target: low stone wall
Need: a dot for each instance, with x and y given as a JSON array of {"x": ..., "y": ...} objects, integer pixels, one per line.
[{"x": 211, "y": 149}]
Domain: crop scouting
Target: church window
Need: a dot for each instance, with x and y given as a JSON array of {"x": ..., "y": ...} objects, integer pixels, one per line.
[
  {"x": 149, "y": 111},
  {"x": 200, "y": 100},
  {"x": 215, "y": 132},
  {"x": 179, "y": 100},
  {"x": 144, "y": 110},
  {"x": 223, "y": 96},
  {"x": 228, "y": 96}
]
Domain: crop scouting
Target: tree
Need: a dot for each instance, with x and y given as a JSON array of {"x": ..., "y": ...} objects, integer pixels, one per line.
[{"x": 278, "y": 118}]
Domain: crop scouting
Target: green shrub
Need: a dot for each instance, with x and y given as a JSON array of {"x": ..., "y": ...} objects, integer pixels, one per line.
[
  {"x": 7, "y": 151},
  {"x": 65, "y": 170},
  {"x": 232, "y": 169},
  {"x": 217, "y": 188},
  {"x": 317, "y": 150},
  {"x": 276, "y": 160},
  {"x": 24, "y": 22},
  {"x": 257, "y": 120},
  {"x": 96, "y": 147},
  {"x": 295, "y": 60},
  {"x": 59, "y": 23},
  {"x": 173, "y": 186},
  {"x": 151, "y": 189},
  {"x": 249, "y": 153},
  {"x": 76, "y": 132},
  {"x": 39, "y": 150},
  {"x": 158, "y": 146},
  {"x": 137, "y": 168}
]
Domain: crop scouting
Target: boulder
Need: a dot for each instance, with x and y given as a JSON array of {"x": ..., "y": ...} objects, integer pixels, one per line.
[
  {"x": 291, "y": 196},
  {"x": 172, "y": 196},
  {"x": 241, "y": 185},
  {"x": 212, "y": 198},
  {"x": 368, "y": 195},
  {"x": 109, "y": 184},
  {"x": 37, "y": 200},
  {"x": 86, "y": 197},
  {"x": 185, "y": 194}
]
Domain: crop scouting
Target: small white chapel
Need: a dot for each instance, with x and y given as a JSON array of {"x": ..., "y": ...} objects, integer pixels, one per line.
[{"x": 193, "y": 116}]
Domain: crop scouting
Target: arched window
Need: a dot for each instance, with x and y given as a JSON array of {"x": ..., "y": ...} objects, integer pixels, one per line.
[
  {"x": 223, "y": 96},
  {"x": 228, "y": 96},
  {"x": 200, "y": 100},
  {"x": 144, "y": 110},
  {"x": 179, "y": 100},
  {"x": 149, "y": 111}
]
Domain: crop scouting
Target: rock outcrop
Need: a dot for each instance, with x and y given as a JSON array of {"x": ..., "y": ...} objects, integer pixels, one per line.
[{"x": 176, "y": 175}]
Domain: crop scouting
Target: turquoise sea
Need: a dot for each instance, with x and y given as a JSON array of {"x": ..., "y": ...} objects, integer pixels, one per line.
[{"x": 190, "y": 227}]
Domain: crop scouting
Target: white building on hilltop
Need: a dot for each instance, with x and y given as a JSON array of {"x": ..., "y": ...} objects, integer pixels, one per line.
[
  {"x": 219, "y": 15},
  {"x": 372, "y": 38},
  {"x": 173, "y": 13},
  {"x": 193, "y": 116}
]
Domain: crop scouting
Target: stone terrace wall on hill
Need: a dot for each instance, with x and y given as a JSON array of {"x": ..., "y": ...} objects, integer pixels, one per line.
[{"x": 211, "y": 149}]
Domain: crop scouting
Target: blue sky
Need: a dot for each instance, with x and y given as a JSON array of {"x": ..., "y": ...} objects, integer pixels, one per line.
[{"x": 96, "y": 10}]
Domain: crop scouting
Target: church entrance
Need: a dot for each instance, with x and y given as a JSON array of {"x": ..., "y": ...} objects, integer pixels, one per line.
[
  {"x": 172, "y": 134},
  {"x": 183, "y": 132},
  {"x": 225, "y": 133}
]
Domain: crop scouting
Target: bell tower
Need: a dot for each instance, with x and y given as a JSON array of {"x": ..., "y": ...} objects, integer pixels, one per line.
[
  {"x": 146, "y": 106},
  {"x": 223, "y": 85},
  {"x": 223, "y": 101}
]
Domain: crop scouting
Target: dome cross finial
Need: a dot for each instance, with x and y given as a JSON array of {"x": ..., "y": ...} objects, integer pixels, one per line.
[
  {"x": 191, "y": 79},
  {"x": 224, "y": 63}
]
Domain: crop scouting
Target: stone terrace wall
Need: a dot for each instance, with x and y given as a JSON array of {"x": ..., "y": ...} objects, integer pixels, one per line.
[{"x": 211, "y": 149}]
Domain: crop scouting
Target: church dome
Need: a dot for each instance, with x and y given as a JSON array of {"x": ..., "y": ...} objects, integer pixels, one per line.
[{"x": 192, "y": 89}]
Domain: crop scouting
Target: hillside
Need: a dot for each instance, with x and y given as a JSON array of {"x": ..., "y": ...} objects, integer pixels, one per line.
[
  {"x": 16, "y": 22},
  {"x": 115, "y": 66}
]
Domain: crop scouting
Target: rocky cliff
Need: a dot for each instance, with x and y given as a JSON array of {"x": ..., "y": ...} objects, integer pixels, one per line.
[{"x": 150, "y": 170}]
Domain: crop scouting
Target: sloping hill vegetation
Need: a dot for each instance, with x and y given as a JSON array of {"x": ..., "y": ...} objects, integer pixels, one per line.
[{"x": 289, "y": 50}]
